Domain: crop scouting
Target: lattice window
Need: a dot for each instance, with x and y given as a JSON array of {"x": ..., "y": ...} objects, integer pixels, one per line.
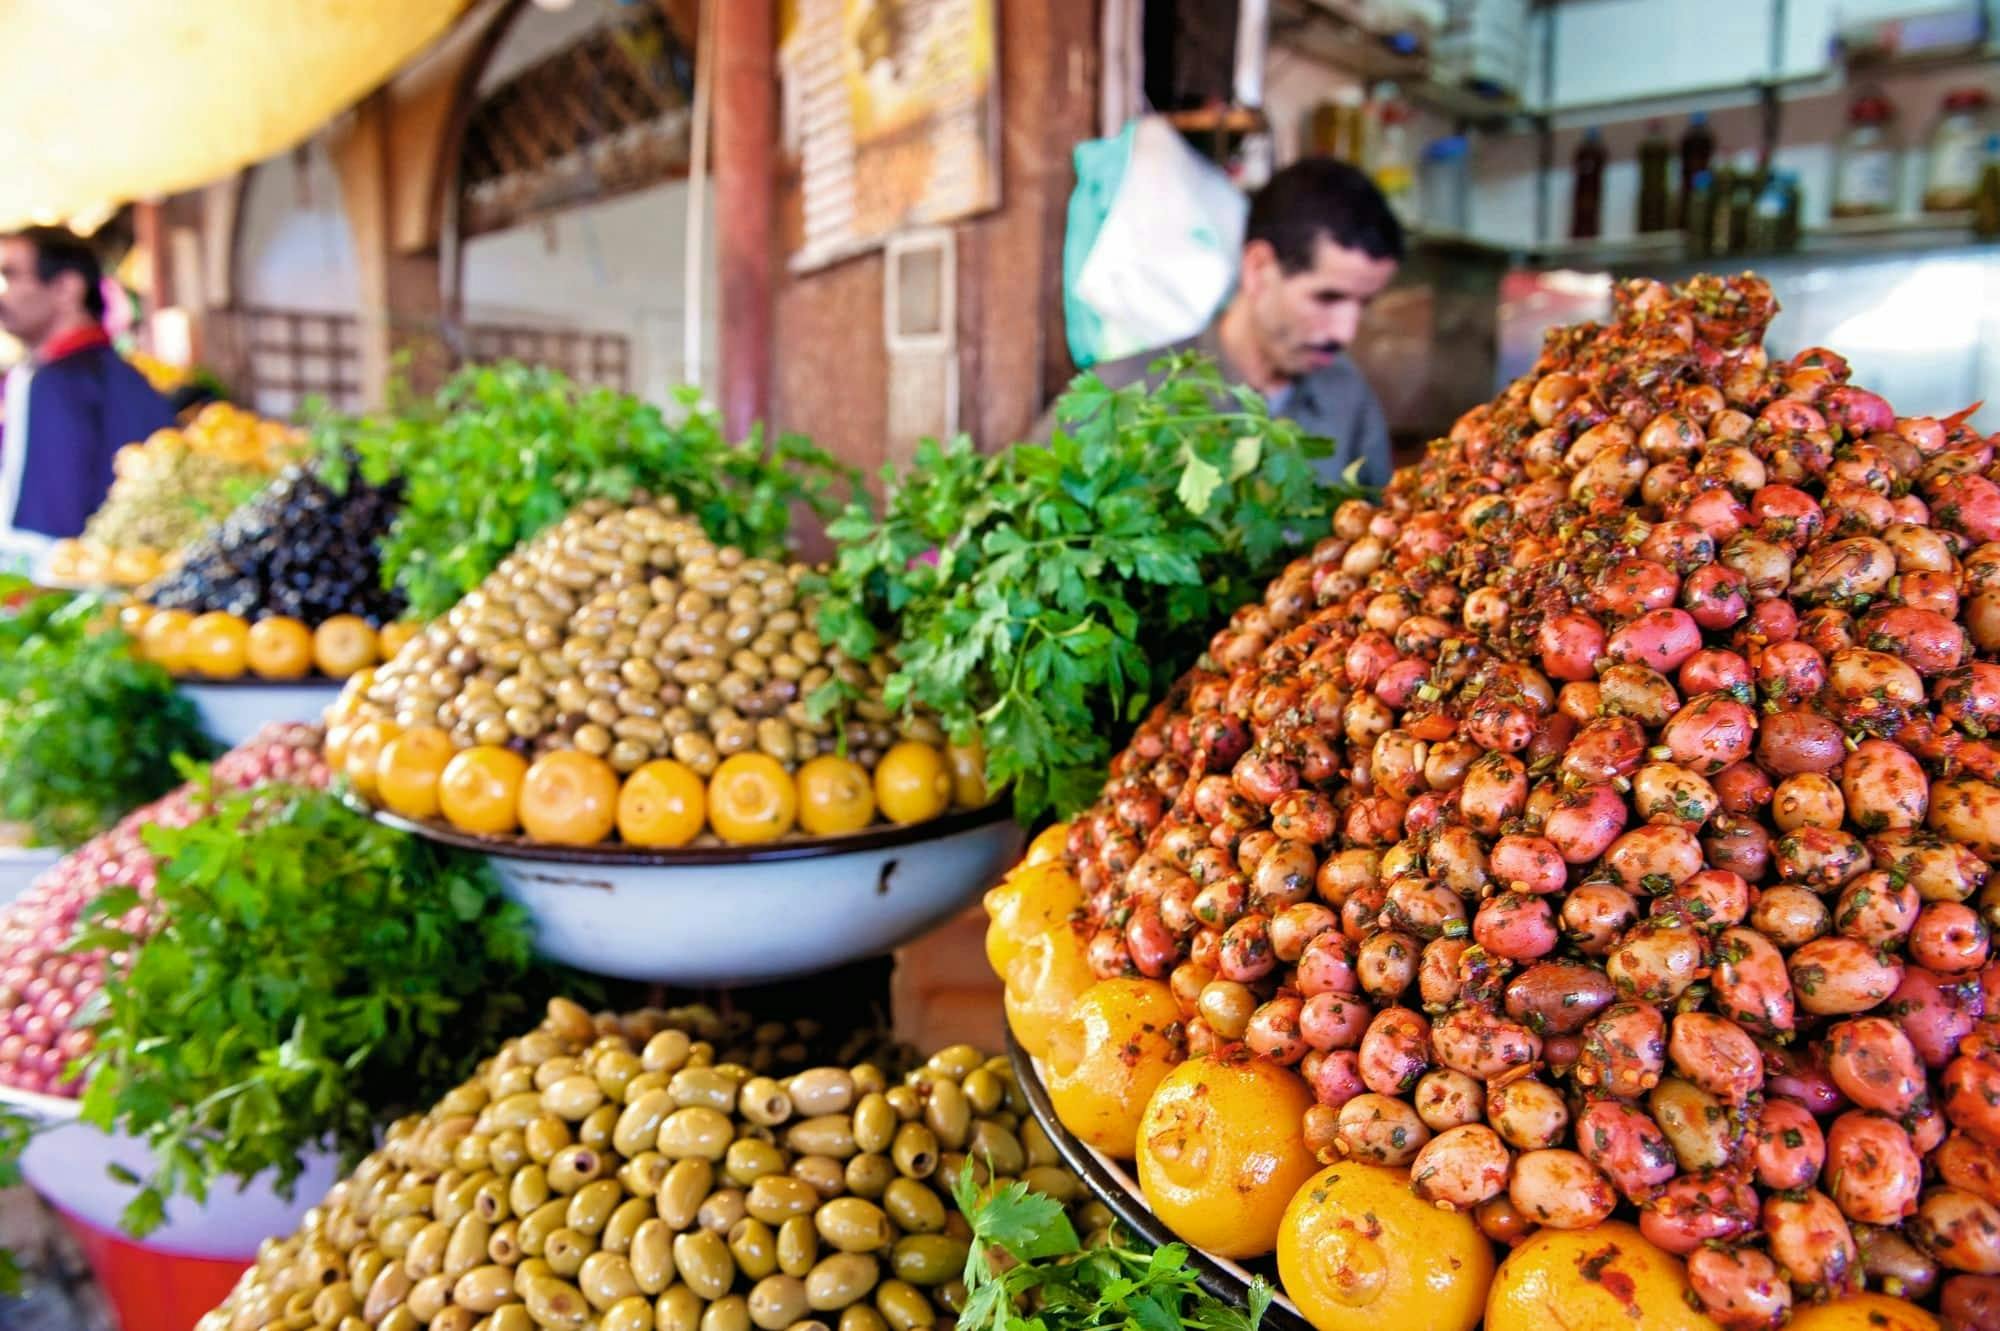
[
  {"x": 600, "y": 359},
  {"x": 275, "y": 359},
  {"x": 604, "y": 116}
]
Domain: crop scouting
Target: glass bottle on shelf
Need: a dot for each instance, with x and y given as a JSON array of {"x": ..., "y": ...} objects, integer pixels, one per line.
[
  {"x": 1986, "y": 207},
  {"x": 1444, "y": 184},
  {"x": 1587, "y": 198},
  {"x": 1698, "y": 211},
  {"x": 1697, "y": 156},
  {"x": 1765, "y": 230},
  {"x": 1867, "y": 162},
  {"x": 1746, "y": 182},
  {"x": 1391, "y": 160},
  {"x": 1953, "y": 160},
  {"x": 1655, "y": 164}
]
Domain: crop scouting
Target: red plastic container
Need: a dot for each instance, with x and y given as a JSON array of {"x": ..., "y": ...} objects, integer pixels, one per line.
[{"x": 151, "y": 1290}]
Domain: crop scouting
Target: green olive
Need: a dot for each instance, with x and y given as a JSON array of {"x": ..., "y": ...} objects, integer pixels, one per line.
[
  {"x": 515, "y": 1111},
  {"x": 1036, "y": 1145},
  {"x": 596, "y": 1128},
  {"x": 955, "y": 1061},
  {"x": 749, "y": 1159},
  {"x": 682, "y": 1192},
  {"x": 678, "y": 1309},
  {"x": 754, "y": 1247},
  {"x": 1051, "y": 1181},
  {"x": 869, "y": 1175},
  {"x": 861, "y": 1317},
  {"x": 574, "y": 1166},
  {"x": 798, "y": 1246},
  {"x": 631, "y": 1314},
  {"x": 590, "y": 1207},
  {"x": 547, "y": 1135},
  {"x": 821, "y": 1091},
  {"x": 764, "y": 1102},
  {"x": 841, "y": 1279},
  {"x": 853, "y": 1225},
  {"x": 826, "y": 1134},
  {"x": 927, "y": 1259},
  {"x": 985, "y": 1089},
  {"x": 643, "y": 1173},
  {"x": 874, "y": 1122},
  {"x": 426, "y": 1254},
  {"x": 510, "y": 1317},
  {"x": 666, "y": 1052},
  {"x": 337, "y": 1301},
  {"x": 565, "y": 1249},
  {"x": 776, "y": 1301},
  {"x": 905, "y": 1100},
  {"x": 652, "y": 1256},
  {"x": 903, "y": 1306},
  {"x": 721, "y": 1210},
  {"x": 484, "y": 1288},
  {"x": 624, "y": 1223},
  {"x": 509, "y": 1151},
  {"x": 391, "y": 1285},
  {"x": 999, "y": 1148},
  {"x": 555, "y": 1304},
  {"x": 775, "y": 1198},
  {"x": 615, "y": 1070},
  {"x": 703, "y": 1262},
  {"x": 466, "y": 1246},
  {"x": 915, "y": 1150},
  {"x": 543, "y": 1221},
  {"x": 822, "y": 1173},
  {"x": 914, "y": 1206},
  {"x": 504, "y": 1248},
  {"x": 948, "y": 1114},
  {"x": 606, "y": 1279},
  {"x": 707, "y": 1087},
  {"x": 727, "y": 1314}
]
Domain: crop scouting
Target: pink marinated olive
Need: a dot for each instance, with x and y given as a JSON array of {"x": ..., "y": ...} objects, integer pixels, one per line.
[
  {"x": 1444, "y": 1099},
  {"x": 1715, "y": 1054},
  {"x": 1871, "y": 1168},
  {"x": 1876, "y": 908},
  {"x": 1528, "y": 864},
  {"x": 1596, "y": 915},
  {"x": 1334, "y": 1075},
  {"x": 1657, "y": 960},
  {"x": 1670, "y": 793},
  {"x": 1471, "y": 1040},
  {"x": 1380, "y": 1130},
  {"x": 1561, "y": 1189},
  {"x": 1334, "y": 1020},
  {"x": 1585, "y": 821},
  {"x": 1515, "y": 926},
  {"x": 1654, "y": 858},
  {"x": 1294, "y": 928},
  {"x": 1715, "y": 597},
  {"x": 1607, "y": 747},
  {"x": 1274, "y": 1030},
  {"x": 1750, "y": 982},
  {"x": 1439, "y": 983},
  {"x": 1247, "y": 955},
  {"x": 1529, "y": 1114},
  {"x": 1971, "y": 1087},
  {"x": 1740, "y": 845},
  {"x": 1960, "y": 1229},
  {"x": 1788, "y": 1150},
  {"x": 1395, "y": 1051},
  {"x": 1696, "y": 1209},
  {"x": 1743, "y": 788},
  {"x": 1972, "y": 1302},
  {"x": 1423, "y": 908},
  {"x": 1810, "y": 799},
  {"x": 1624, "y": 1050},
  {"x": 1940, "y": 870},
  {"x": 1795, "y": 741},
  {"x": 1327, "y": 966},
  {"x": 1630, "y": 587},
  {"x": 1965, "y": 1162},
  {"x": 1386, "y": 964},
  {"x": 1837, "y": 976},
  {"x": 1660, "y": 639},
  {"x": 1712, "y": 731},
  {"x": 1790, "y": 673},
  {"x": 1930, "y": 642},
  {"x": 1790, "y": 916},
  {"x": 1949, "y": 938},
  {"x": 1558, "y": 997},
  {"x": 1462, "y": 1167},
  {"x": 1810, "y": 1239},
  {"x": 1711, "y": 899},
  {"x": 1819, "y": 857},
  {"x": 1935, "y": 1012},
  {"x": 1884, "y": 786},
  {"x": 1713, "y": 670},
  {"x": 1627, "y": 1145},
  {"x": 1800, "y": 1074},
  {"x": 1570, "y": 645},
  {"x": 1495, "y": 791},
  {"x": 1740, "y": 1288}
]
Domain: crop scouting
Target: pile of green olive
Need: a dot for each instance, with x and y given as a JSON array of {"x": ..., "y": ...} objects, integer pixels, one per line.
[
  {"x": 624, "y": 631},
  {"x": 608, "y": 1172}
]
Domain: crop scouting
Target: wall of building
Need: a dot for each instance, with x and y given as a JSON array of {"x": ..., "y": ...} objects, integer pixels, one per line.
[{"x": 293, "y": 248}]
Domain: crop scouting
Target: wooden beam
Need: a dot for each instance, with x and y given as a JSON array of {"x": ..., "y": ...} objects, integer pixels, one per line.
[{"x": 746, "y": 135}]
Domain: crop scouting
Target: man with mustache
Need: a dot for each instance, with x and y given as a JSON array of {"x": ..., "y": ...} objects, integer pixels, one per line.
[{"x": 1320, "y": 244}]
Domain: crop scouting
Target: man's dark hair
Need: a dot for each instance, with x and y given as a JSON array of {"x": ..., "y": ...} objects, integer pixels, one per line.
[
  {"x": 59, "y": 251},
  {"x": 1322, "y": 196}
]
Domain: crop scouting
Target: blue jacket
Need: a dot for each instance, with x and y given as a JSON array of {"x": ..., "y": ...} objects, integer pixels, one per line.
[{"x": 82, "y": 408}]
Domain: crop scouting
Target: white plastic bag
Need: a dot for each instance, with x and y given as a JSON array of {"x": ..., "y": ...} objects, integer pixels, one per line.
[{"x": 1155, "y": 234}]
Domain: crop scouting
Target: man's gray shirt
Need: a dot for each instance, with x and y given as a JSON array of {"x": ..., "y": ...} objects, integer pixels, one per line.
[{"x": 1335, "y": 403}]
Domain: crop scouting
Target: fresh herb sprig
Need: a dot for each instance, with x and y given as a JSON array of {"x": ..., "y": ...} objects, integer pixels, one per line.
[
  {"x": 1049, "y": 1281},
  {"x": 315, "y": 974},
  {"x": 88, "y": 731},
  {"x": 1040, "y": 598},
  {"x": 503, "y": 451}
]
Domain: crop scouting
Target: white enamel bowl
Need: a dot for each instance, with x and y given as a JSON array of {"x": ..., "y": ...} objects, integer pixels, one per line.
[
  {"x": 734, "y": 915},
  {"x": 20, "y": 866},
  {"x": 233, "y": 710},
  {"x": 69, "y": 1163}
]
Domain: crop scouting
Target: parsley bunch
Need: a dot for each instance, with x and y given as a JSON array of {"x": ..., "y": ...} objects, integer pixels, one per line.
[
  {"x": 88, "y": 731},
  {"x": 314, "y": 975},
  {"x": 1053, "y": 1283},
  {"x": 503, "y": 451},
  {"x": 1041, "y": 598}
]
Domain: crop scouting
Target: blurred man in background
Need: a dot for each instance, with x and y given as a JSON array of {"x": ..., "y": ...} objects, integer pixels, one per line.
[
  {"x": 71, "y": 404},
  {"x": 1319, "y": 245}
]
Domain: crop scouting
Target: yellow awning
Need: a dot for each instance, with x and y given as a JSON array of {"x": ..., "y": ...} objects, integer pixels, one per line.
[{"x": 103, "y": 101}]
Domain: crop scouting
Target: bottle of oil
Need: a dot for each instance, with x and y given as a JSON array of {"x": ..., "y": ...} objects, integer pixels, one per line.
[{"x": 1655, "y": 162}]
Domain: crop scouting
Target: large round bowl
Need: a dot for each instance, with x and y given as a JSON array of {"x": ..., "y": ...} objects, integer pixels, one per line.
[
  {"x": 1113, "y": 1185},
  {"x": 233, "y": 710},
  {"x": 69, "y": 1163},
  {"x": 20, "y": 866},
  {"x": 733, "y": 915}
]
